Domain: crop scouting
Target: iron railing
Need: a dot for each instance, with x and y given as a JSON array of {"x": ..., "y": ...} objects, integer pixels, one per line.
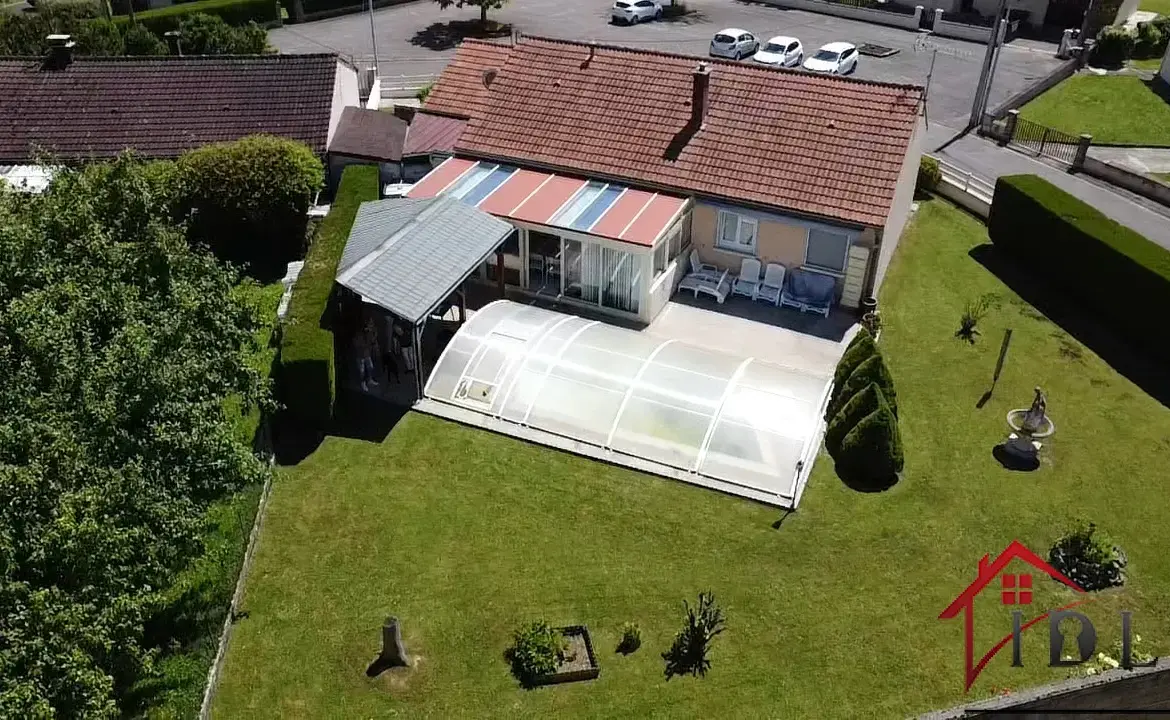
[{"x": 1040, "y": 140}]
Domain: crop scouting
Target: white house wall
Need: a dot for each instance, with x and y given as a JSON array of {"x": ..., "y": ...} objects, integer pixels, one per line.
[{"x": 345, "y": 94}]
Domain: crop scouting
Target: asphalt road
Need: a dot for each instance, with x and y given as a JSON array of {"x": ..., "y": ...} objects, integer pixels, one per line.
[{"x": 415, "y": 39}]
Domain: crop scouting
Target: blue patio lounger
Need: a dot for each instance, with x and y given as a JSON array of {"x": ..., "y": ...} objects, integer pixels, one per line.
[{"x": 807, "y": 290}]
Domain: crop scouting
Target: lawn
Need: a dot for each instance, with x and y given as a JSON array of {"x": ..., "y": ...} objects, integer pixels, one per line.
[
  {"x": 1162, "y": 7},
  {"x": 832, "y": 613},
  {"x": 1150, "y": 64},
  {"x": 1114, "y": 109}
]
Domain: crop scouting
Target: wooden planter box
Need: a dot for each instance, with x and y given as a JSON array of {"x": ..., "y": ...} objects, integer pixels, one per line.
[{"x": 582, "y": 667}]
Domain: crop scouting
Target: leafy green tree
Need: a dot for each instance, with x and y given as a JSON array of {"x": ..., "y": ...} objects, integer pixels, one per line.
[
  {"x": 483, "y": 5},
  {"x": 203, "y": 34},
  {"x": 119, "y": 345},
  {"x": 870, "y": 456},
  {"x": 100, "y": 38},
  {"x": 141, "y": 41}
]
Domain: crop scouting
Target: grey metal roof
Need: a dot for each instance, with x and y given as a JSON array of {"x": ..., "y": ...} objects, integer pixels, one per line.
[{"x": 408, "y": 254}]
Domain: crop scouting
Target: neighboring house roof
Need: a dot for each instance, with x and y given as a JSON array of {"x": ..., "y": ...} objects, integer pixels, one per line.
[
  {"x": 409, "y": 255},
  {"x": 813, "y": 144},
  {"x": 369, "y": 134},
  {"x": 161, "y": 106},
  {"x": 462, "y": 88},
  {"x": 432, "y": 134}
]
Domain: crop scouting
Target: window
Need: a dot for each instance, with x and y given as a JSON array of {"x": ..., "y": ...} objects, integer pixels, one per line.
[
  {"x": 792, "y": 48},
  {"x": 660, "y": 257},
  {"x": 586, "y": 195},
  {"x": 471, "y": 179},
  {"x": 736, "y": 233},
  {"x": 827, "y": 250},
  {"x": 644, "y": 4}
]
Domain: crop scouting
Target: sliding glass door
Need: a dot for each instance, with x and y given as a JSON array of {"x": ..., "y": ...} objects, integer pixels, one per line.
[{"x": 604, "y": 276}]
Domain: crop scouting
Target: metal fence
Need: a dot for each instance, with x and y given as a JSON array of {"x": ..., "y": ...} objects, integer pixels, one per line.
[{"x": 1040, "y": 140}]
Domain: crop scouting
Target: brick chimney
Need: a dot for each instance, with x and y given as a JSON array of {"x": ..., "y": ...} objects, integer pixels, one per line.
[
  {"x": 60, "y": 51},
  {"x": 173, "y": 42},
  {"x": 699, "y": 94}
]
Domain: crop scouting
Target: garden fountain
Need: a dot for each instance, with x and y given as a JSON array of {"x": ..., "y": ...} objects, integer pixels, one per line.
[{"x": 1029, "y": 425}]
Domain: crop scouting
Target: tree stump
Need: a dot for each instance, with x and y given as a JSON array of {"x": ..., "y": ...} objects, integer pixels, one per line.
[{"x": 393, "y": 652}]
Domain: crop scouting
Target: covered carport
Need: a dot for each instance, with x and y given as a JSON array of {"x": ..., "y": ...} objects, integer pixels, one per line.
[{"x": 400, "y": 276}]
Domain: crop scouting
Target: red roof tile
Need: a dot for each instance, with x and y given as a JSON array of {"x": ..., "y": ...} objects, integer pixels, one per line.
[
  {"x": 819, "y": 145},
  {"x": 369, "y": 134},
  {"x": 462, "y": 88},
  {"x": 432, "y": 134},
  {"x": 161, "y": 106}
]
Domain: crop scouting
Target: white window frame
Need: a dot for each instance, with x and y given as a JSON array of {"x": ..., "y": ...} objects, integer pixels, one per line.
[
  {"x": 661, "y": 257},
  {"x": 741, "y": 222},
  {"x": 849, "y": 240}
]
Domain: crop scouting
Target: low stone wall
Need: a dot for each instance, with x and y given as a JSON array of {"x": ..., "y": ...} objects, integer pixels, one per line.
[
  {"x": 1114, "y": 693},
  {"x": 1134, "y": 182},
  {"x": 1064, "y": 71},
  {"x": 873, "y": 15}
]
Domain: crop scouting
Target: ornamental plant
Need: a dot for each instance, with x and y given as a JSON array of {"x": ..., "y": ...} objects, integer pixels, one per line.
[
  {"x": 537, "y": 650},
  {"x": 1088, "y": 558},
  {"x": 859, "y": 406},
  {"x": 631, "y": 639},
  {"x": 872, "y": 371},
  {"x": 860, "y": 349},
  {"x": 688, "y": 653},
  {"x": 870, "y": 456}
]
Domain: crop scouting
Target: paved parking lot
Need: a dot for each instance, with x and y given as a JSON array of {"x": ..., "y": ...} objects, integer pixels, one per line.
[{"x": 411, "y": 41}]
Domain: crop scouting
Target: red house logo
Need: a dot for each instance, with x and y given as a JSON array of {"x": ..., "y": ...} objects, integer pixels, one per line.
[{"x": 1015, "y": 590}]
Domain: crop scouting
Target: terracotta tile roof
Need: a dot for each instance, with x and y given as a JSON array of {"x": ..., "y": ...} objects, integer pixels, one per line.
[
  {"x": 161, "y": 106},
  {"x": 432, "y": 133},
  {"x": 460, "y": 90},
  {"x": 818, "y": 145},
  {"x": 369, "y": 134}
]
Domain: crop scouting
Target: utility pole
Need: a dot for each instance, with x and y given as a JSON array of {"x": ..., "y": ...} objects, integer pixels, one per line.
[
  {"x": 373, "y": 39},
  {"x": 983, "y": 89}
]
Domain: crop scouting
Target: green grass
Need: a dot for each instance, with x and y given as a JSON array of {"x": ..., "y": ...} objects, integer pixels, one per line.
[
  {"x": 1113, "y": 109},
  {"x": 464, "y": 535},
  {"x": 1162, "y": 7},
  {"x": 1150, "y": 64},
  {"x": 206, "y": 587}
]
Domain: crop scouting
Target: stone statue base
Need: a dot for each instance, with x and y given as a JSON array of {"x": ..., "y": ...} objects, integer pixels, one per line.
[{"x": 1022, "y": 446}]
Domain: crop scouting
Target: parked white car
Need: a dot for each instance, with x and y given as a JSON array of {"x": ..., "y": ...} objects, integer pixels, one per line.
[
  {"x": 633, "y": 12},
  {"x": 781, "y": 50},
  {"x": 734, "y": 43},
  {"x": 839, "y": 58}
]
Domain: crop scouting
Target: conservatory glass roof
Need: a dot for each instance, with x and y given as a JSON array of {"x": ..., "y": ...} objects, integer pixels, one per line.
[{"x": 740, "y": 425}]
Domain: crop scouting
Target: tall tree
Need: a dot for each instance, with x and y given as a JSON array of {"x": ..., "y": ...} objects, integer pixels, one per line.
[
  {"x": 483, "y": 5},
  {"x": 118, "y": 347}
]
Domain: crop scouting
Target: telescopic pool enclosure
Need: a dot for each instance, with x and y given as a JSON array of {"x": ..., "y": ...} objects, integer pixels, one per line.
[{"x": 742, "y": 425}]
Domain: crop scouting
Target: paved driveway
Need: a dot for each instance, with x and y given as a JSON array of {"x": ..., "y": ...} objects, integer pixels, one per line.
[{"x": 411, "y": 42}]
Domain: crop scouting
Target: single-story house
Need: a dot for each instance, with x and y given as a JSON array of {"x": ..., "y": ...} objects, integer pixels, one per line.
[
  {"x": 614, "y": 163},
  {"x": 77, "y": 108}
]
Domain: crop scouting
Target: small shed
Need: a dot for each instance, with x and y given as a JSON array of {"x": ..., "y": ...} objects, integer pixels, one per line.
[
  {"x": 368, "y": 137},
  {"x": 401, "y": 275}
]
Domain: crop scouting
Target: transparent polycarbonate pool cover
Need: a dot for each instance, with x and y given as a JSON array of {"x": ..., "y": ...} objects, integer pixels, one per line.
[{"x": 742, "y": 425}]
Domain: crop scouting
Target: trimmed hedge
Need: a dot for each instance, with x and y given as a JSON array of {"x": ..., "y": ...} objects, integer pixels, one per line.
[
  {"x": 307, "y": 371},
  {"x": 873, "y": 370},
  {"x": 858, "y": 407},
  {"x": 1110, "y": 269},
  {"x": 233, "y": 12},
  {"x": 871, "y": 457},
  {"x": 861, "y": 348}
]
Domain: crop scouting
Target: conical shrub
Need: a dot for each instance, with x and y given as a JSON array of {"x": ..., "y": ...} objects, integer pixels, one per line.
[
  {"x": 871, "y": 370},
  {"x": 870, "y": 456},
  {"x": 860, "y": 349},
  {"x": 859, "y": 406}
]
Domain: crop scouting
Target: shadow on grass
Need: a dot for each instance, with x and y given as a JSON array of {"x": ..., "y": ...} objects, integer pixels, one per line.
[
  {"x": 867, "y": 485},
  {"x": 1159, "y": 87},
  {"x": 446, "y": 35},
  {"x": 1014, "y": 462},
  {"x": 1079, "y": 322}
]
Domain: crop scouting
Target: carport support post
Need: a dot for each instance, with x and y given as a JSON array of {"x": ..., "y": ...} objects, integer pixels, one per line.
[
  {"x": 500, "y": 271},
  {"x": 418, "y": 366}
]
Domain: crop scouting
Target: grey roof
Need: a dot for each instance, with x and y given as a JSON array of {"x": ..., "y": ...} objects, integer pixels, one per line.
[{"x": 409, "y": 254}]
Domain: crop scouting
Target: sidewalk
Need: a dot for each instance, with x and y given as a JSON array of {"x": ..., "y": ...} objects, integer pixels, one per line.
[
  {"x": 1137, "y": 159},
  {"x": 989, "y": 160}
]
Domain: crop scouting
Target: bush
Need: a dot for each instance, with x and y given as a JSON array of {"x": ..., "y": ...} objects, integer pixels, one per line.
[
  {"x": 24, "y": 33},
  {"x": 1114, "y": 47},
  {"x": 861, "y": 405},
  {"x": 929, "y": 174},
  {"x": 247, "y": 200},
  {"x": 1079, "y": 250},
  {"x": 100, "y": 38},
  {"x": 140, "y": 41},
  {"x": 973, "y": 312},
  {"x": 861, "y": 348},
  {"x": 874, "y": 371},
  {"x": 233, "y": 12},
  {"x": 203, "y": 34},
  {"x": 1089, "y": 559},
  {"x": 631, "y": 639},
  {"x": 870, "y": 456},
  {"x": 1150, "y": 41},
  {"x": 306, "y": 355},
  {"x": 424, "y": 92},
  {"x": 537, "y": 650},
  {"x": 688, "y": 652}
]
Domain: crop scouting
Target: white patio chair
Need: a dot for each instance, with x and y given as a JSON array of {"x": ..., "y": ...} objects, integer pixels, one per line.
[
  {"x": 717, "y": 287},
  {"x": 772, "y": 285},
  {"x": 698, "y": 267},
  {"x": 748, "y": 279}
]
